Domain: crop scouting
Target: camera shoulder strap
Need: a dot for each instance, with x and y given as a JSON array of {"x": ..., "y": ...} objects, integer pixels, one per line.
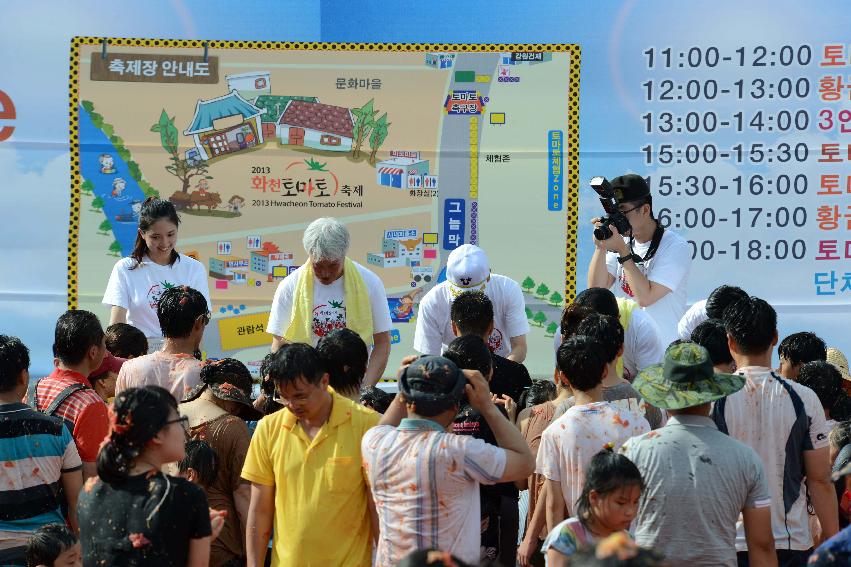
[{"x": 654, "y": 245}]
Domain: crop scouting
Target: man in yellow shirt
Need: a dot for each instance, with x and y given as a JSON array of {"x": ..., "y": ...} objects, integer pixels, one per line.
[{"x": 305, "y": 468}]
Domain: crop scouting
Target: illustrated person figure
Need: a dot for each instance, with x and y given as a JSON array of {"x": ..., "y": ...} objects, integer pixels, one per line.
[
  {"x": 650, "y": 264},
  {"x": 132, "y": 513},
  {"x": 331, "y": 291},
  {"x": 137, "y": 282},
  {"x": 118, "y": 186},
  {"x": 107, "y": 163}
]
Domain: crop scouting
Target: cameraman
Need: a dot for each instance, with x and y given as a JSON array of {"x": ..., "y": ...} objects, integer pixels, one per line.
[{"x": 648, "y": 264}]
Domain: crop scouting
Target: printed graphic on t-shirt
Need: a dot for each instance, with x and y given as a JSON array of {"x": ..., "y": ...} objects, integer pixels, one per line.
[
  {"x": 328, "y": 317},
  {"x": 495, "y": 340},
  {"x": 156, "y": 291},
  {"x": 625, "y": 285}
]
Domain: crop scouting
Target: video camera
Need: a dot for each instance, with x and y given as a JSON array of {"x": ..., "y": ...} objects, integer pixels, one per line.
[{"x": 603, "y": 188}]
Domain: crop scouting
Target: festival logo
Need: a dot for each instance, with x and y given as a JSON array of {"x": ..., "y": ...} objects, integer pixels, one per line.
[
  {"x": 495, "y": 340},
  {"x": 328, "y": 317},
  {"x": 625, "y": 285},
  {"x": 156, "y": 291}
]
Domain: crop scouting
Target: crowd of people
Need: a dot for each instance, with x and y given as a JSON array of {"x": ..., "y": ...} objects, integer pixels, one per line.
[{"x": 659, "y": 440}]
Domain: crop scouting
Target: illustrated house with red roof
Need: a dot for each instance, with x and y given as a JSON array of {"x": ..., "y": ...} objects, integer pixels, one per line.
[{"x": 316, "y": 125}]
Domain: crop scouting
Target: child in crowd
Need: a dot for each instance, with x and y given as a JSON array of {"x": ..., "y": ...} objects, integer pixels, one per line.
[
  {"x": 200, "y": 464},
  {"x": 54, "y": 545},
  {"x": 126, "y": 341},
  {"x": 608, "y": 504}
]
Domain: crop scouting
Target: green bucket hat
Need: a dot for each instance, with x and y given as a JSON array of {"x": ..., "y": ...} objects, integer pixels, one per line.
[{"x": 685, "y": 379}]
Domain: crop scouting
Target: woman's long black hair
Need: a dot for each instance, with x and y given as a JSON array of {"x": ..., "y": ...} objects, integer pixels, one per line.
[
  {"x": 136, "y": 416},
  {"x": 153, "y": 209}
]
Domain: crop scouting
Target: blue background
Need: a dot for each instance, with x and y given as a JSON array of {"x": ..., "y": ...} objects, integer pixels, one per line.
[{"x": 35, "y": 38}]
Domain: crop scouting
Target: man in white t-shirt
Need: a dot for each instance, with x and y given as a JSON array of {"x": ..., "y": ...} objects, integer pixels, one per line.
[
  {"x": 591, "y": 425},
  {"x": 468, "y": 269},
  {"x": 323, "y": 295},
  {"x": 784, "y": 422},
  {"x": 649, "y": 264},
  {"x": 710, "y": 308}
]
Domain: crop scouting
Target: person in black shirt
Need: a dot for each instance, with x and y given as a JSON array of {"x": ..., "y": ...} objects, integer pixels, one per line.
[
  {"x": 499, "y": 507},
  {"x": 472, "y": 314},
  {"x": 131, "y": 513}
]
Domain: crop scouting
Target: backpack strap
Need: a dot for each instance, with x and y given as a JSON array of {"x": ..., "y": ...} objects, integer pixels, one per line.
[
  {"x": 31, "y": 395},
  {"x": 63, "y": 395}
]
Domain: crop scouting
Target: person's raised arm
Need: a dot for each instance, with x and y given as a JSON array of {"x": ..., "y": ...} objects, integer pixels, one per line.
[
  {"x": 277, "y": 343},
  {"x": 760, "y": 540},
  {"x": 117, "y": 315},
  {"x": 518, "y": 349},
  {"x": 822, "y": 492},
  {"x": 519, "y": 462},
  {"x": 377, "y": 359},
  {"x": 598, "y": 272},
  {"x": 258, "y": 528}
]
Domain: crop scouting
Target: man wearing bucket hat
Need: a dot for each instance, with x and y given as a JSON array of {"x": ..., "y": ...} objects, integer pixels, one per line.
[
  {"x": 468, "y": 269},
  {"x": 425, "y": 479},
  {"x": 784, "y": 422},
  {"x": 650, "y": 264},
  {"x": 694, "y": 474}
]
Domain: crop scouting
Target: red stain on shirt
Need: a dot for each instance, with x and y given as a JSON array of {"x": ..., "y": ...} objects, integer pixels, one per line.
[
  {"x": 138, "y": 540},
  {"x": 9, "y": 464}
]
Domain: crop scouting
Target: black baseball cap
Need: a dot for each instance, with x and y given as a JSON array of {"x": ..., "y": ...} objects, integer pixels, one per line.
[
  {"x": 433, "y": 383},
  {"x": 630, "y": 187}
]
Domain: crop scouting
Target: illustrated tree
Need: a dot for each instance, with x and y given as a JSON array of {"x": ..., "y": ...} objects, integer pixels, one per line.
[
  {"x": 364, "y": 121},
  {"x": 528, "y": 284},
  {"x": 542, "y": 290},
  {"x": 179, "y": 167},
  {"x": 115, "y": 248},
  {"x": 529, "y": 314},
  {"x": 97, "y": 203},
  {"x": 105, "y": 227},
  {"x": 87, "y": 187},
  {"x": 378, "y": 135},
  {"x": 556, "y": 299},
  {"x": 539, "y": 319},
  {"x": 551, "y": 330}
]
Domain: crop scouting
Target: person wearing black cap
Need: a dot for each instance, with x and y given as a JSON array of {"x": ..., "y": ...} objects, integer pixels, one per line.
[
  {"x": 649, "y": 264},
  {"x": 425, "y": 479}
]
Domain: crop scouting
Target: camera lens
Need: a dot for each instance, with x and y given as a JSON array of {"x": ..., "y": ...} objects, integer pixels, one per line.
[{"x": 602, "y": 232}]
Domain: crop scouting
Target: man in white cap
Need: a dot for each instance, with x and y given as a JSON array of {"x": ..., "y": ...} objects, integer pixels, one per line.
[{"x": 467, "y": 269}]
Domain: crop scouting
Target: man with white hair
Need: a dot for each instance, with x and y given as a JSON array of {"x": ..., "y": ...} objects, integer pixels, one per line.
[
  {"x": 468, "y": 269},
  {"x": 331, "y": 291}
]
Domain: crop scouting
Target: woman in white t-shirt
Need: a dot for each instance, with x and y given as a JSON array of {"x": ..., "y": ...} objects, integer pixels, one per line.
[{"x": 154, "y": 266}]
